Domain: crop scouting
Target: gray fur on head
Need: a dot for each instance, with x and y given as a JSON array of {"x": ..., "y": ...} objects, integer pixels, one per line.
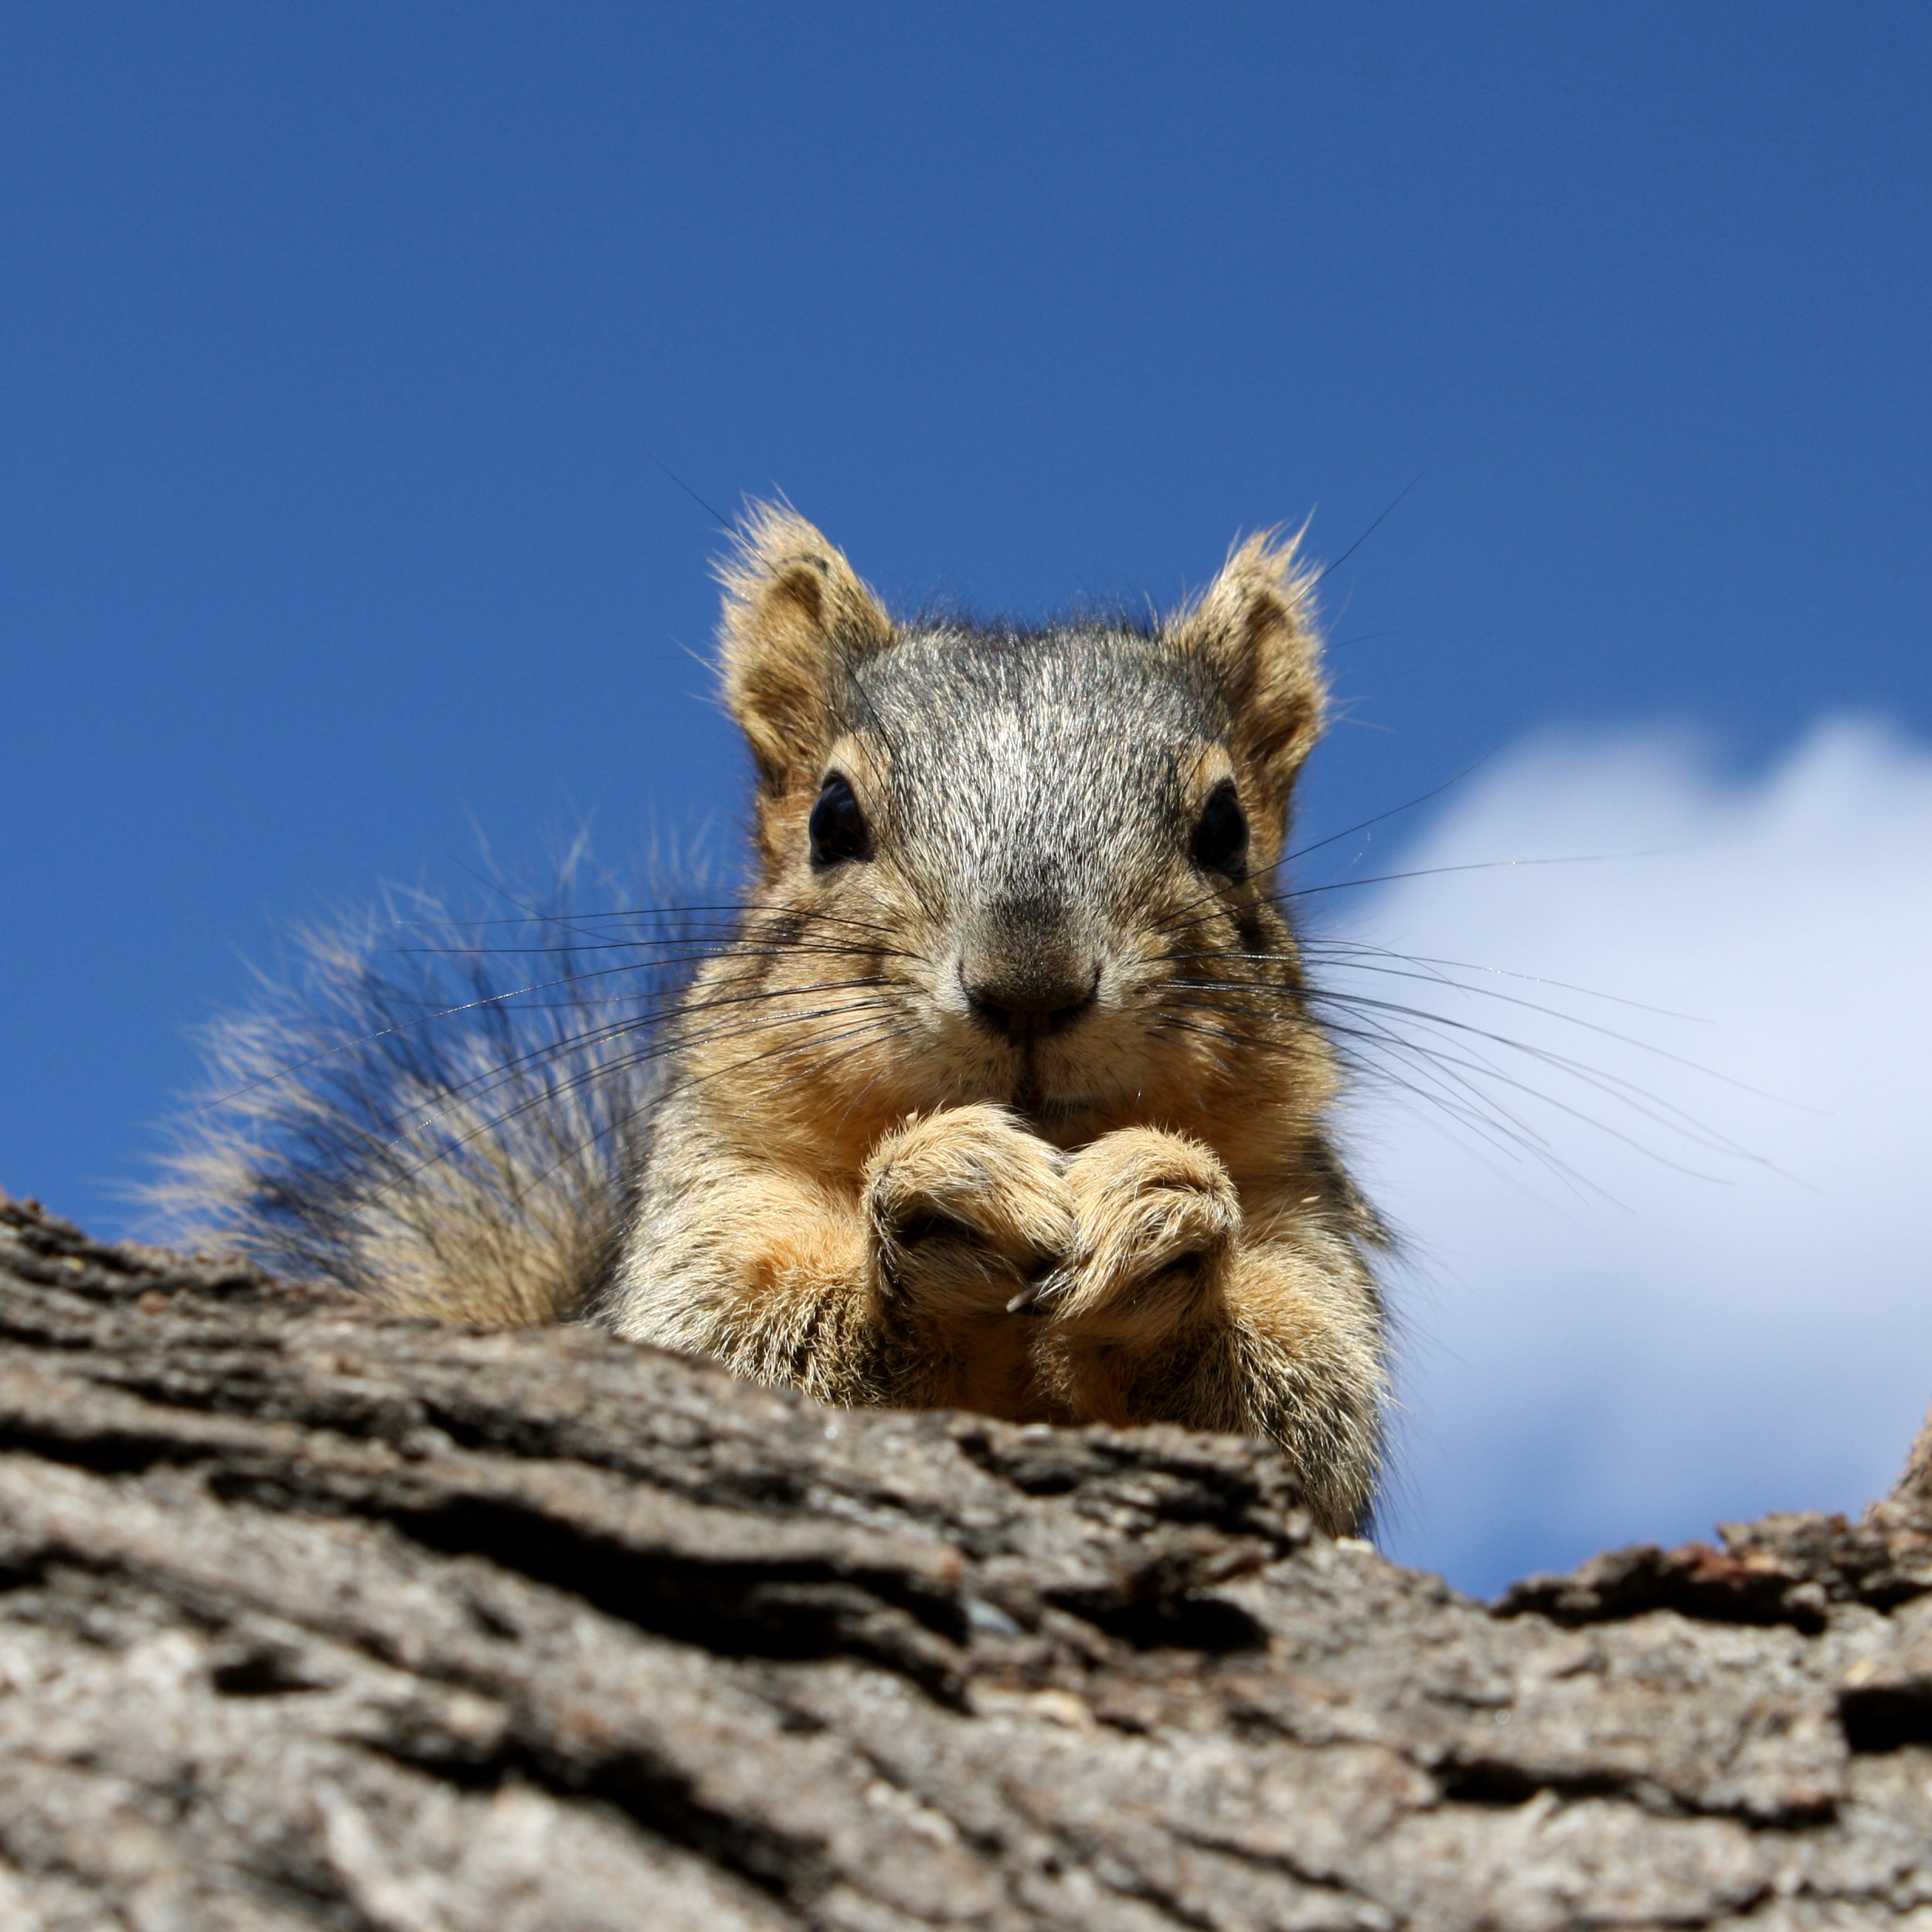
[{"x": 1035, "y": 786}]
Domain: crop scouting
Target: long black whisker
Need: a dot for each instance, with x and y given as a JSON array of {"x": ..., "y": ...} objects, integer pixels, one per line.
[
  {"x": 1489, "y": 864},
  {"x": 701, "y": 951},
  {"x": 1319, "y": 944},
  {"x": 482, "y": 1083},
  {"x": 496, "y": 999},
  {"x": 1629, "y": 1093},
  {"x": 1393, "y": 505},
  {"x": 475, "y": 1088},
  {"x": 1469, "y": 1111},
  {"x": 641, "y": 1058},
  {"x": 1394, "y": 811},
  {"x": 1481, "y": 1116},
  {"x": 1603, "y": 1080},
  {"x": 889, "y": 1029},
  {"x": 1316, "y": 992},
  {"x": 1184, "y": 915},
  {"x": 717, "y": 516},
  {"x": 1689, "y": 1128},
  {"x": 879, "y": 1030},
  {"x": 739, "y": 908},
  {"x": 1218, "y": 1032}
]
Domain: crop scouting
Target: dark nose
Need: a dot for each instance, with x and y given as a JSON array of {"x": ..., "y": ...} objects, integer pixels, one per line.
[{"x": 1027, "y": 999}]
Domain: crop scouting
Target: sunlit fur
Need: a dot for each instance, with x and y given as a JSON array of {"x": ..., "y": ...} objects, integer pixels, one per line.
[
  {"x": 851, "y": 1175},
  {"x": 443, "y": 1115}
]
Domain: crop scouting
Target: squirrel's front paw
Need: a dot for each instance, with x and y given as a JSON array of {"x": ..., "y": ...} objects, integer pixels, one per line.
[
  {"x": 1158, "y": 1217},
  {"x": 965, "y": 1207}
]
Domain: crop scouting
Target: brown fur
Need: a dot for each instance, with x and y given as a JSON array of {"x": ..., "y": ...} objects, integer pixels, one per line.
[{"x": 855, "y": 1187}]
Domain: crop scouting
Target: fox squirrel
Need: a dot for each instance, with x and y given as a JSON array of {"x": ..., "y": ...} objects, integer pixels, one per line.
[{"x": 1003, "y": 1091}]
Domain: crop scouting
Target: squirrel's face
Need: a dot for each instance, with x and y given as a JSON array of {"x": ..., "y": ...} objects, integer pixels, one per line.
[
  {"x": 1046, "y": 855},
  {"x": 1035, "y": 825}
]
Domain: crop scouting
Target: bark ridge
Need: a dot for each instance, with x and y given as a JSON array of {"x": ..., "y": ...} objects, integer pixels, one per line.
[{"x": 310, "y": 1618}]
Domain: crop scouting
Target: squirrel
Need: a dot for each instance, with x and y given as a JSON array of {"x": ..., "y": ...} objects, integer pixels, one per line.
[{"x": 1004, "y": 1092}]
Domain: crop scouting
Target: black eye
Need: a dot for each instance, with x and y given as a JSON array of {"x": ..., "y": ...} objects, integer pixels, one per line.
[
  {"x": 1221, "y": 836},
  {"x": 839, "y": 830}
]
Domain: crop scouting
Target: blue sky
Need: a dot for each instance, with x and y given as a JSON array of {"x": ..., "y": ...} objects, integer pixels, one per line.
[{"x": 338, "y": 345}]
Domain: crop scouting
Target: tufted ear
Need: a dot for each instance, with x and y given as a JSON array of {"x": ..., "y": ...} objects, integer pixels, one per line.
[
  {"x": 1254, "y": 628},
  {"x": 796, "y": 619}
]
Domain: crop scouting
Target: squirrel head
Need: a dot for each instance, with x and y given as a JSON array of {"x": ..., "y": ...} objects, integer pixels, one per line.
[{"x": 1038, "y": 834}]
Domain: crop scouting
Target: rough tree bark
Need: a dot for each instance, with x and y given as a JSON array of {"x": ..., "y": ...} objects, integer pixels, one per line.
[{"x": 309, "y": 1618}]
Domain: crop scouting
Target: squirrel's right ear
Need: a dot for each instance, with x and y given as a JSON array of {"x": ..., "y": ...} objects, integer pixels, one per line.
[{"x": 796, "y": 619}]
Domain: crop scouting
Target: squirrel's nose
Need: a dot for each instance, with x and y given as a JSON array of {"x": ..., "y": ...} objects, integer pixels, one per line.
[{"x": 1030, "y": 998}]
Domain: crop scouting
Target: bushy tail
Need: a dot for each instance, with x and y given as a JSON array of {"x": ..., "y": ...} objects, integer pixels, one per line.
[{"x": 442, "y": 1112}]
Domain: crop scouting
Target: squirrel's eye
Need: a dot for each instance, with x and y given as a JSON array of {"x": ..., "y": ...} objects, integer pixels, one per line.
[
  {"x": 837, "y": 830},
  {"x": 1221, "y": 835}
]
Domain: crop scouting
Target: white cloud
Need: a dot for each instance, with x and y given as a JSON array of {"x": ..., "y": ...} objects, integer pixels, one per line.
[{"x": 1581, "y": 1371}]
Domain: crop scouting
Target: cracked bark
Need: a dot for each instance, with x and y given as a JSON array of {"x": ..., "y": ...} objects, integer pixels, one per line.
[{"x": 313, "y": 1619}]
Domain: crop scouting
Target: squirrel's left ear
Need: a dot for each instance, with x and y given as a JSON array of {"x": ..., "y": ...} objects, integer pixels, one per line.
[
  {"x": 796, "y": 621},
  {"x": 1254, "y": 626}
]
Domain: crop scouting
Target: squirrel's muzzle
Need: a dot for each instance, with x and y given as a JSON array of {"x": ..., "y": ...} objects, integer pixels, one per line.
[{"x": 1024, "y": 992}]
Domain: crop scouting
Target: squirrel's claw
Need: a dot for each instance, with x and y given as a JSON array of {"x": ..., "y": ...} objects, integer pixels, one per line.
[{"x": 1047, "y": 1282}]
